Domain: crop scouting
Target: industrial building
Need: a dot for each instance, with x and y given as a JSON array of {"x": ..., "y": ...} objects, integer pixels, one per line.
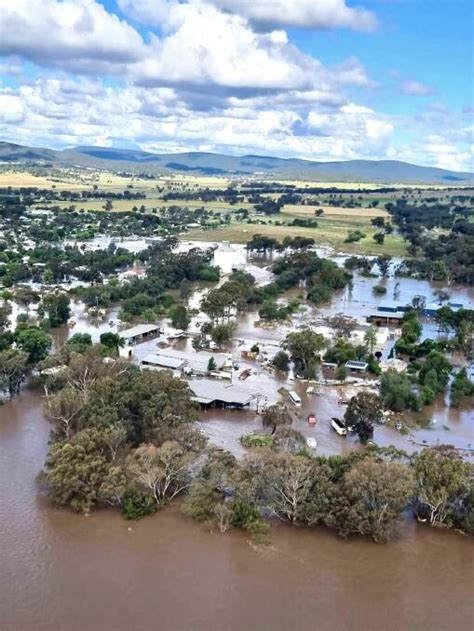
[{"x": 140, "y": 333}]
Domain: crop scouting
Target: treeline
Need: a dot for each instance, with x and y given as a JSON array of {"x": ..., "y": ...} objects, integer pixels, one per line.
[
  {"x": 442, "y": 233},
  {"x": 51, "y": 194},
  {"x": 128, "y": 439}
]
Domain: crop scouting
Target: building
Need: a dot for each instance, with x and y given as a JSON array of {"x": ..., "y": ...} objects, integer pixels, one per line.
[
  {"x": 191, "y": 363},
  {"x": 140, "y": 333},
  {"x": 210, "y": 393},
  {"x": 385, "y": 319},
  {"x": 356, "y": 366},
  {"x": 161, "y": 362}
]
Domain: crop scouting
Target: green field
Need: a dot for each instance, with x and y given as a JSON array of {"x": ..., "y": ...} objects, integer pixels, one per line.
[{"x": 329, "y": 232}]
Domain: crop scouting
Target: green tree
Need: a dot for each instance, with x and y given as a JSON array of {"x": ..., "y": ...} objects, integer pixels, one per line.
[
  {"x": 370, "y": 338},
  {"x": 5, "y": 313},
  {"x": 75, "y": 471},
  {"x": 442, "y": 482},
  {"x": 363, "y": 412},
  {"x": 112, "y": 341},
  {"x": 372, "y": 497},
  {"x": 397, "y": 392},
  {"x": 281, "y": 361},
  {"x": 12, "y": 371},
  {"x": 461, "y": 388},
  {"x": 379, "y": 237},
  {"x": 341, "y": 373},
  {"x": 305, "y": 347},
  {"x": 276, "y": 416},
  {"x": 34, "y": 342},
  {"x": 57, "y": 306},
  {"x": 211, "y": 364},
  {"x": 411, "y": 329},
  {"x": 79, "y": 343},
  {"x": 435, "y": 363},
  {"x": 180, "y": 318}
]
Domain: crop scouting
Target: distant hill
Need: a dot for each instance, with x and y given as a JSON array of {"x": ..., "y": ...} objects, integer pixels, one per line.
[{"x": 379, "y": 171}]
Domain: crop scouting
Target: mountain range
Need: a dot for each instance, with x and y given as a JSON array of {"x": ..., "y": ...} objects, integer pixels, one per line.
[{"x": 200, "y": 163}]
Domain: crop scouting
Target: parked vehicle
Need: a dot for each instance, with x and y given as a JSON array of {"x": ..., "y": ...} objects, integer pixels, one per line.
[
  {"x": 294, "y": 398},
  {"x": 338, "y": 426},
  {"x": 312, "y": 443}
]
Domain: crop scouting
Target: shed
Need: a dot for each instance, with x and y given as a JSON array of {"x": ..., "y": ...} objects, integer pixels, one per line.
[
  {"x": 214, "y": 393},
  {"x": 140, "y": 333},
  {"x": 158, "y": 360}
]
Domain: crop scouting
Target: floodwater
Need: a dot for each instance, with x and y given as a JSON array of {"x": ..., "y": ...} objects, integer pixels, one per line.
[
  {"x": 66, "y": 572},
  {"x": 226, "y": 427}
]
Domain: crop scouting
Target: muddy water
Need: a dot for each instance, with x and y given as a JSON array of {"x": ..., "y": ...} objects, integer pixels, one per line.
[{"x": 61, "y": 571}]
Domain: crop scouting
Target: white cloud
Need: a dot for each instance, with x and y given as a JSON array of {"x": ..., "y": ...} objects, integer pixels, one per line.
[
  {"x": 266, "y": 14},
  {"x": 78, "y": 35},
  {"x": 206, "y": 47},
  {"x": 85, "y": 112},
  {"x": 415, "y": 88},
  {"x": 317, "y": 14}
]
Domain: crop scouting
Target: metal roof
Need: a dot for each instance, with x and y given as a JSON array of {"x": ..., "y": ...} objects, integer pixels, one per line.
[
  {"x": 163, "y": 361},
  {"x": 387, "y": 314},
  {"x": 352, "y": 363},
  {"x": 207, "y": 391},
  {"x": 139, "y": 329},
  {"x": 196, "y": 360}
]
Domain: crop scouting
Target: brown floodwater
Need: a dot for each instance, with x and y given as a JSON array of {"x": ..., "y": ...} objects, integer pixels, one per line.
[{"x": 61, "y": 571}]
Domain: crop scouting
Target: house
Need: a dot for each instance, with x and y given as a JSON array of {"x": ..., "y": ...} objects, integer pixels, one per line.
[{"x": 140, "y": 333}]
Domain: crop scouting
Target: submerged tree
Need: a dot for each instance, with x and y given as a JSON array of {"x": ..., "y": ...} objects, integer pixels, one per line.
[
  {"x": 373, "y": 497},
  {"x": 276, "y": 416},
  {"x": 363, "y": 412}
]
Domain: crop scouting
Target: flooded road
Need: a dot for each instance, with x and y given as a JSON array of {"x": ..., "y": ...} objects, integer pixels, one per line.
[{"x": 61, "y": 571}]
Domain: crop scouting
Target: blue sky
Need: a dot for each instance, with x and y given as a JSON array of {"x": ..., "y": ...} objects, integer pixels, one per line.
[{"x": 319, "y": 79}]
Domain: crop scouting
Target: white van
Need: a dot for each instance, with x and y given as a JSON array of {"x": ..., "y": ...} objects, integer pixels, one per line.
[
  {"x": 338, "y": 426},
  {"x": 294, "y": 398}
]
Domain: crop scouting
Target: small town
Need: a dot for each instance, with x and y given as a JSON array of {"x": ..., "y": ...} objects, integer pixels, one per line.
[{"x": 236, "y": 315}]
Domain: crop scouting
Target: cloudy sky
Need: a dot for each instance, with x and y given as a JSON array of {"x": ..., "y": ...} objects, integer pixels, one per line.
[{"x": 318, "y": 79}]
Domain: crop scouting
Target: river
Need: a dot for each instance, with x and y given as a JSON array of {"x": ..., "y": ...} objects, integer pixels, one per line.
[{"x": 61, "y": 571}]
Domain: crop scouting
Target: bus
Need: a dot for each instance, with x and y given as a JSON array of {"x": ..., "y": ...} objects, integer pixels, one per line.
[{"x": 294, "y": 398}]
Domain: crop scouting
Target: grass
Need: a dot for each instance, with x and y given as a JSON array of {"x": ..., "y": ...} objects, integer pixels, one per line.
[
  {"x": 330, "y": 211},
  {"x": 331, "y": 232}
]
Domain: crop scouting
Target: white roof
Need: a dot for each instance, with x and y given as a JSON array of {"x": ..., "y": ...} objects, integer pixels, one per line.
[
  {"x": 207, "y": 391},
  {"x": 196, "y": 360},
  {"x": 163, "y": 361},
  {"x": 139, "y": 329}
]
